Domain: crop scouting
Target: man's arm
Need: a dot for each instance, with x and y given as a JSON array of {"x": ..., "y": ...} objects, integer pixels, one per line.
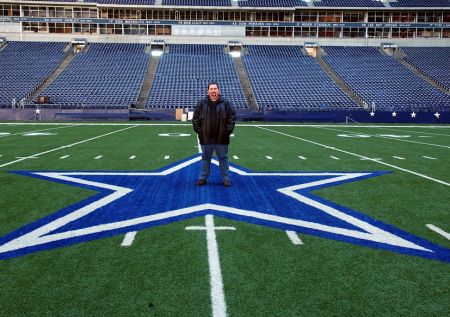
[
  {"x": 196, "y": 117},
  {"x": 231, "y": 115}
]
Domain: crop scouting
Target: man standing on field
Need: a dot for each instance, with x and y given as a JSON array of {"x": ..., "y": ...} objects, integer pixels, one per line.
[{"x": 214, "y": 119}]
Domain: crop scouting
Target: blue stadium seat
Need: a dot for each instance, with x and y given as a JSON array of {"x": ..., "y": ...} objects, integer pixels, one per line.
[
  {"x": 183, "y": 75},
  {"x": 283, "y": 78},
  {"x": 24, "y": 66},
  {"x": 383, "y": 80},
  {"x": 107, "y": 75}
]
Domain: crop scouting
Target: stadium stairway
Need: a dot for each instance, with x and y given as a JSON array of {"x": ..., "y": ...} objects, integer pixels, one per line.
[
  {"x": 399, "y": 56},
  {"x": 336, "y": 78},
  {"x": 55, "y": 74},
  {"x": 245, "y": 84},
  {"x": 147, "y": 84}
]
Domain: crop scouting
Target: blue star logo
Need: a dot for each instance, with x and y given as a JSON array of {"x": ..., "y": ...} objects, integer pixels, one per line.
[{"x": 131, "y": 201}]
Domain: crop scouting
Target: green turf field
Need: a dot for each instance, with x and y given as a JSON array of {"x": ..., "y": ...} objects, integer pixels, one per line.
[{"x": 166, "y": 270}]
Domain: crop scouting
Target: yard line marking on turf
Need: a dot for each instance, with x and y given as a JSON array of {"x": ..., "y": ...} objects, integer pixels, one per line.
[
  {"x": 370, "y": 159},
  {"x": 235, "y": 157},
  {"x": 199, "y": 146},
  {"x": 129, "y": 238},
  {"x": 398, "y": 157},
  {"x": 27, "y": 157},
  {"x": 440, "y": 231},
  {"x": 132, "y": 157},
  {"x": 334, "y": 157},
  {"x": 360, "y": 156},
  {"x": 98, "y": 157},
  {"x": 385, "y": 137},
  {"x": 303, "y": 158},
  {"x": 430, "y": 158},
  {"x": 217, "y": 295},
  {"x": 294, "y": 237},
  {"x": 66, "y": 146},
  {"x": 63, "y": 157},
  {"x": 166, "y": 157},
  {"x": 20, "y": 133},
  {"x": 269, "y": 157}
]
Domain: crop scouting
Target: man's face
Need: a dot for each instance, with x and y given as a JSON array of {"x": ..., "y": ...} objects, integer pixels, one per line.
[{"x": 213, "y": 92}]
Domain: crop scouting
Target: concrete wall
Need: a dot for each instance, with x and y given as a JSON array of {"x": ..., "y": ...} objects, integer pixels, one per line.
[
  {"x": 244, "y": 114},
  {"x": 42, "y": 37}
]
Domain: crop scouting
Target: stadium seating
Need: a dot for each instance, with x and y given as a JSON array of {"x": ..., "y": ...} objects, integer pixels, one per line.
[
  {"x": 193, "y": 3},
  {"x": 118, "y": 2},
  {"x": 272, "y": 3},
  {"x": 183, "y": 75},
  {"x": 24, "y": 66},
  {"x": 420, "y": 3},
  {"x": 283, "y": 78},
  {"x": 349, "y": 3},
  {"x": 433, "y": 62},
  {"x": 106, "y": 75},
  {"x": 383, "y": 80}
]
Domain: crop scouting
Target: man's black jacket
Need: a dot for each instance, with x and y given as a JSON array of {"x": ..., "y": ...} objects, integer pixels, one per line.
[{"x": 226, "y": 120}]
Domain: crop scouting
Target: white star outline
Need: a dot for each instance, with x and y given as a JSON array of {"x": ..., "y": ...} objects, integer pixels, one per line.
[{"x": 42, "y": 235}]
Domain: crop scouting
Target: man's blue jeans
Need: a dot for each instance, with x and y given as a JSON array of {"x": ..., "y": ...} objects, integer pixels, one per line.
[{"x": 221, "y": 152}]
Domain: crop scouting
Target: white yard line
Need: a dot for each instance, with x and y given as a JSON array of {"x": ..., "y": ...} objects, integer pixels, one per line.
[
  {"x": 199, "y": 146},
  {"x": 294, "y": 237},
  {"x": 440, "y": 231},
  {"x": 360, "y": 156},
  {"x": 66, "y": 146},
  {"x": 219, "y": 306},
  {"x": 129, "y": 239}
]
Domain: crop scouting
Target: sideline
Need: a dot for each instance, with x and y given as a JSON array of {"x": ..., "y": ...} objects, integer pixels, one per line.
[
  {"x": 251, "y": 124},
  {"x": 65, "y": 146},
  {"x": 361, "y": 156}
]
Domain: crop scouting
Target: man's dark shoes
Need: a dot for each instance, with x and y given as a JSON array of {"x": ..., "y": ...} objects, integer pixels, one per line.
[
  {"x": 201, "y": 182},
  {"x": 227, "y": 183}
]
